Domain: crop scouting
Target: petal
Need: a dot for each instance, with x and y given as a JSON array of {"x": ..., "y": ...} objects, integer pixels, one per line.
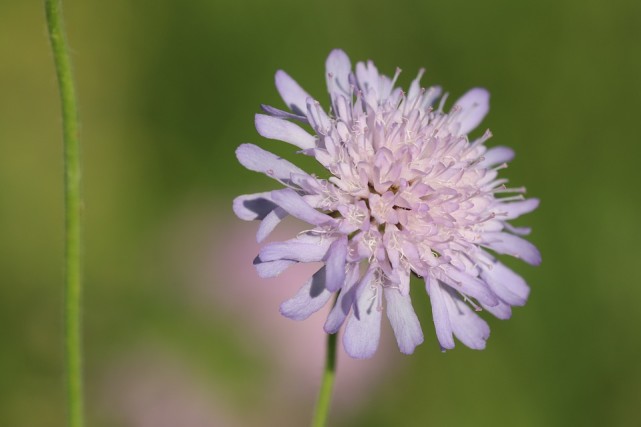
[
  {"x": 402, "y": 317},
  {"x": 297, "y": 207},
  {"x": 363, "y": 329},
  {"x": 269, "y": 269},
  {"x": 311, "y": 297},
  {"x": 474, "y": 106},
  {"x": 336, "y": 256},
  {"x": 256, "y": 159},
  {"x": 272, "y": 111},
  {"x": 497, "y": 155},
  {"x": 253, "y": 206},
  {"x": 469, "y": 328},
  {"x": 338, "y": 67},
  {"x": 501, "y": 310},
  {"x": 509, "y": 244},
  {"x": 295, "y": 250},
  {"x": 415, "y": 87},
  {"x": 282, "y": 130},
  {"x": 509, "y": 286},
  {"x": 367, "y": 76},
  {"x": 344, "y": 301},
  {"x": 291, "y": 92},
  {"x": 439, "y": 312},
  {"x": 516, "y": 209},
  {"x": 270, "y": 222},
  {"x": 468, "y": 285}
]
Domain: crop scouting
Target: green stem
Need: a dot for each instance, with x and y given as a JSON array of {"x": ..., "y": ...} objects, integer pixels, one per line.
[
  {"x": 73, "y": 203},
  {"x": 325, "y": 393}
]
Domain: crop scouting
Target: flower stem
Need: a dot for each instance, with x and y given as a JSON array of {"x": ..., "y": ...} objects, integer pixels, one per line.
[
  {"x": 73, "y": 203},
  {"x": 325, "y": 393}
]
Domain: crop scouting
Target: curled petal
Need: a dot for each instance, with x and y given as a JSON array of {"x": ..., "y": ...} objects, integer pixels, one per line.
[
  {"x": 270, "y": 222},
  {"x": 267, "y": 269},
  {"x": 344, "y": 302},
  {"x": 250, "y": 207},
  {"x": 311, "y": 297}
]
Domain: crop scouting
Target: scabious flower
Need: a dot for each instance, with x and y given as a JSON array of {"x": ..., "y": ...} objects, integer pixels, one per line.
[{"x": 407, "y": 193}]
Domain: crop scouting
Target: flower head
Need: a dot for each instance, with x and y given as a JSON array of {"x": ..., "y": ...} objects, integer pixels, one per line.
[{"x": 407, "y": 193}]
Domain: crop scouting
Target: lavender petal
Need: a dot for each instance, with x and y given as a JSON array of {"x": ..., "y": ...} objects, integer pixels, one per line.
[
  {"x": 311, "y": 297},
  {"x": 402, "y": 317},
  {"x": 282, "y": 130}
]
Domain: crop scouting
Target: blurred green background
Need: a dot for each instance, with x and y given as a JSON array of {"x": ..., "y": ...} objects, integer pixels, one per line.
[{"x": 168, "y": 89}]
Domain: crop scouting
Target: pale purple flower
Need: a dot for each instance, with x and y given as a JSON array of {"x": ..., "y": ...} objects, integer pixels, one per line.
[{"x": 407, "y": 193}]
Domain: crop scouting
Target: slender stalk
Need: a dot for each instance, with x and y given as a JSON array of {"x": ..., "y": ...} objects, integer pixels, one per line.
[
  {"x": 73, "y": 203},
  {"x": 325, "y": 393}
]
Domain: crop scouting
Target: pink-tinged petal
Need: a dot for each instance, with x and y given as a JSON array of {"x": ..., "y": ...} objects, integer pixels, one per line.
[
  {"x": 344, "y": 302},
  {"x": 363, "y": 329},
  {"x": 269, "y": 269},
  {"x": 295, "y": 250},
  {"x": 338, "y": 68},
  {"x": 311, "y": 297},
  {"x": 516, "y": 209},
  {"x": 402, "y": 317},
  {"x": 297, "y": 207},
  {"x": 474, "y": 106},
  {"x": 270, "y": 222},
  {"x": 497, "y": 155},
  {"x": 335, "y": 263},
  {"x": 509, "y": 244},
  {"x": 291, "y": 92},
  {"x": 256, "y": 159},
  {"x": 439, "y": 312},
  {"x": 468, "y": 327},
  {"x": 250, "y": 207},
  {"x": 508, "y": 285},
  {"x": 282, "y": 130}
]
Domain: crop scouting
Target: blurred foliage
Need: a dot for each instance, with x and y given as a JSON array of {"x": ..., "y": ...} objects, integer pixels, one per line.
[{"x": 168, "y": 89}]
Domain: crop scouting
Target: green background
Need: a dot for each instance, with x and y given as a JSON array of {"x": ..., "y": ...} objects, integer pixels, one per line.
[{"x": 168, "y": 89}]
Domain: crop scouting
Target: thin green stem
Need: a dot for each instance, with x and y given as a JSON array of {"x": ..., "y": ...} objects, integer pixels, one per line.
[
  {"x": 325, "y": 394},
  {"x": 73, "y": 204}
]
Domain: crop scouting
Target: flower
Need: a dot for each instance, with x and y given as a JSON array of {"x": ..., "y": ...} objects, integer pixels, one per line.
[{"x": 407, "y": 193}]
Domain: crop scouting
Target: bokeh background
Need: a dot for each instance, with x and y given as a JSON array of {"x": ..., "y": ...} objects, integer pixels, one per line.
[{"x": 179, "y": 331}]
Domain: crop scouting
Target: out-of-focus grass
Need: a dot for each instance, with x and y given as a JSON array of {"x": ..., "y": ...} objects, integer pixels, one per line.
[{"x": 168, "y": 89}]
